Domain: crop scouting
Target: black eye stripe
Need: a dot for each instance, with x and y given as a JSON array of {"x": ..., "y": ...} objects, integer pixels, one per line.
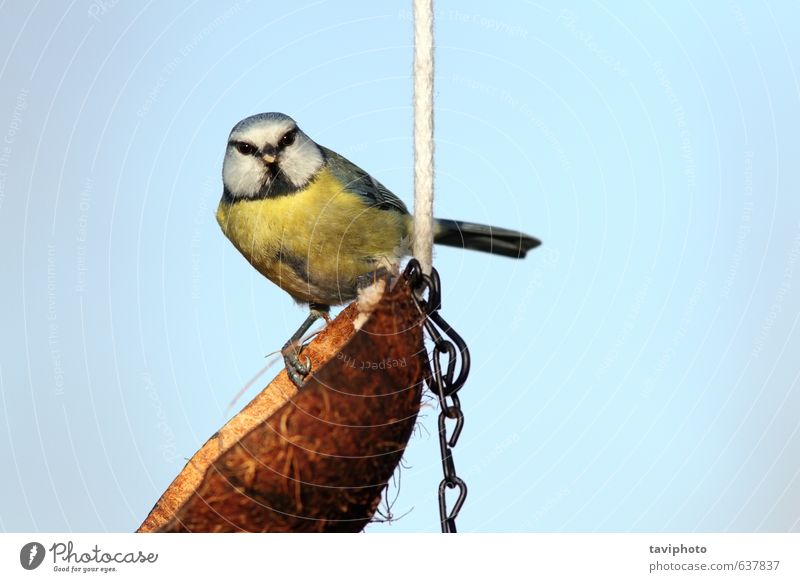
[
  {"x": 244, "y": 147},
  {"x": 288, "y": 138}
]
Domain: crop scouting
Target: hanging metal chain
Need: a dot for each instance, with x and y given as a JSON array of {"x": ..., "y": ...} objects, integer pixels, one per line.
[{"x": 443, "y": 382}]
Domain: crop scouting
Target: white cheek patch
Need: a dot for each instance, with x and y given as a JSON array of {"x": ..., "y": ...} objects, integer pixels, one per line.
[
  {"x": 299, "y": 162},
  {"x": 243, "y": 175}
]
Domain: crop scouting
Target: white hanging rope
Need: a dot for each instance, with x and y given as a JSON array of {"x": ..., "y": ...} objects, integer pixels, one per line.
[{"x": 422, "y": 242}]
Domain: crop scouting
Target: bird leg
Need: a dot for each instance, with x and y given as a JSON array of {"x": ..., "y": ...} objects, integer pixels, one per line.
[{"x": 297, "y": 370}]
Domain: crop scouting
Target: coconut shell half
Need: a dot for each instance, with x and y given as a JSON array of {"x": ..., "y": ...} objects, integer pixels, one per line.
[{"x": 317, "y": 459}]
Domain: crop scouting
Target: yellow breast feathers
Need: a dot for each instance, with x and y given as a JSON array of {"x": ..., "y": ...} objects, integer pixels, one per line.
[{"x": 317, "y": 242}]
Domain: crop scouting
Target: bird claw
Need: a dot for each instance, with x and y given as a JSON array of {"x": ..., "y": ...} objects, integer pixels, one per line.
[{"x": 296, "y": 370}]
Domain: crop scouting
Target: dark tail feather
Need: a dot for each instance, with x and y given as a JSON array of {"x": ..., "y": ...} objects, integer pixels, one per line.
[{"x": 480, "y": 237}]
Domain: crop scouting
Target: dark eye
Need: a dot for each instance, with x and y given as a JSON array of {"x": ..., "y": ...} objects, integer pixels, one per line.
[
  {"x": 288, "y": 139},
  {"x": 245, "y": 148}
]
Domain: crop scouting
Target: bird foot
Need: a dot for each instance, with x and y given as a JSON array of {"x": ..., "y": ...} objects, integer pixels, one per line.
[{"x": 296, "y": 369}]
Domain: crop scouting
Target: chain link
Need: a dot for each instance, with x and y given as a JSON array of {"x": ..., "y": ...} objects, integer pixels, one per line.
[{"x": 443, "y": 382}]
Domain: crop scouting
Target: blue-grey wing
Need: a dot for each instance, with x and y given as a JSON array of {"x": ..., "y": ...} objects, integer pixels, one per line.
[{"x": 360, "y": 182}]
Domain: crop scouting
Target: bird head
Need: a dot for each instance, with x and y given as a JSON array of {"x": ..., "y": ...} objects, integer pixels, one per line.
[{"x": 268, "y": 155}]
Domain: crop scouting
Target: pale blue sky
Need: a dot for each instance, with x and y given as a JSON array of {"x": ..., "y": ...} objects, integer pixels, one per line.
[{"x": 636, "y": 373}]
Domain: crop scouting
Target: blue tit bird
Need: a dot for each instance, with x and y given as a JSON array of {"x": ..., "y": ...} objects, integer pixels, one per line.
[{"x": 317, "y": 225}]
